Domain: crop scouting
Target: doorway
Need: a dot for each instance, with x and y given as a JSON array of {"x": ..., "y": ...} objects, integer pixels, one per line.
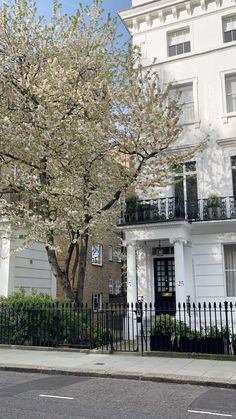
[{"x": 164, "y": 283}]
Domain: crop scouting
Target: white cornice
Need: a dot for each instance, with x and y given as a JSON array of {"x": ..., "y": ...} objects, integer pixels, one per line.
[{"x": 154, "y": 14}]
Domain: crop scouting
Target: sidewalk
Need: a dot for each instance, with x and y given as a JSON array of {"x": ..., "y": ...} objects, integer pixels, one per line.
[{"x": 159, "y": 369}]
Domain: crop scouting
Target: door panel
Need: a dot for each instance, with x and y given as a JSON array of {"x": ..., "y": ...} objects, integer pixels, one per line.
[{"x": 164, "y": 277}]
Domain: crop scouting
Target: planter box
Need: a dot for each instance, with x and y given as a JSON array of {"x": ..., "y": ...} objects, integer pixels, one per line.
[
  {"x": 117, "y": 299},
  {"x": 206, "y": 345},
  {"x": 160, "y": 343}
]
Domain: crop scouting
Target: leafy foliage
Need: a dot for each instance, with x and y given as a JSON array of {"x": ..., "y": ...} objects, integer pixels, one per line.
[{"x": 39, "y": 320}]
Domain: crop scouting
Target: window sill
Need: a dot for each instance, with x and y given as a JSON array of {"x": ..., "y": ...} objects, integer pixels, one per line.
[
  {"x": 96, "y": 264},
  {"x": 195, "y": 123},
  {"x": 174, "y": 57},
  {"x": 225, "y": 117}
]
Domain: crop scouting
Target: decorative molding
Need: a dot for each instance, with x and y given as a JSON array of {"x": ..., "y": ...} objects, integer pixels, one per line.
[
  {"x": 161, "y": 16},
  {"x": 189, "y": 8},
  {"x": 135, "y": 25},
  {"x": 226, "y": 142},
  {"x": 174, "y": 12},
  {"x": 148, "y": 20},
  {"x": 203, "y": 5},
  {"x": 179, "y": 240},
  {"x": 131, "y": 243}
]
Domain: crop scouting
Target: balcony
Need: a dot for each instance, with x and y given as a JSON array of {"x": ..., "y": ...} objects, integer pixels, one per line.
[{"x": 172, "y": 209}]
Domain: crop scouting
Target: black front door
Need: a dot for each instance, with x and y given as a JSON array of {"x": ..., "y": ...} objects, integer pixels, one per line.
[{"x": 164, "y": 277}]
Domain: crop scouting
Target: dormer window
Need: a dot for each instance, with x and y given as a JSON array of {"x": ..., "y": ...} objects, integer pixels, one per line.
[
  {"x": 179, "y": 42},
  {"x": 229, "y": 28}
]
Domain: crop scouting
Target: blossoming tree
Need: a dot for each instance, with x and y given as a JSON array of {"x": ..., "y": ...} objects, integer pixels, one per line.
[{"x": 75, "y": 107}]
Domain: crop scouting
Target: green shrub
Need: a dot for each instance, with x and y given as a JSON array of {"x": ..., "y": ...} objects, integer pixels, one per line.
[{"x": 40, "y": 320}]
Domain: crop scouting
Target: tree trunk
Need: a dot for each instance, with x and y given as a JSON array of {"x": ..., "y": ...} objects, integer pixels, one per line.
[
  {"x": 82, "y": 266},
  {"x": 61, "y": 276}
]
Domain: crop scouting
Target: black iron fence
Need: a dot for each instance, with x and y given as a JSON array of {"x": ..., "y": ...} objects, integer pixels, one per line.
[
  {"x": 164, "y": 209},
  {"x": 201, "y": 328}
]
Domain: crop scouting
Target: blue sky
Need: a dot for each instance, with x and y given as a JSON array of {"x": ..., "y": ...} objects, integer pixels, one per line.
[{"x": 69, "y": 6}]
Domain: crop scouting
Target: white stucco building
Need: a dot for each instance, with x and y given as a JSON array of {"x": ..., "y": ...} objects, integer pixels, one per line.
[
  {"x": 184, "y": 247},
  {"x": 28, "y": 268}
]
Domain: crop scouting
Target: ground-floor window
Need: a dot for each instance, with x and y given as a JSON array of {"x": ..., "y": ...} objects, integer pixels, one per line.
[
  {"x": 97, "y": 301},
  {"x": 230, "y": 269}
]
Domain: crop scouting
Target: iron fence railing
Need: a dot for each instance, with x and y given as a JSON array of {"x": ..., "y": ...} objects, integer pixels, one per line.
[
  {"x": 201, "y": 328},
  {"x": 167, "y": 209}
]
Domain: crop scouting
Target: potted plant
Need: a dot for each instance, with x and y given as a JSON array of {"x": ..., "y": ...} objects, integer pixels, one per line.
[
  {"x": 214, "y": 206},
  {"x": 131, "y": 206},
  {"x": 162, "y": 328},
  {"x": 138, "y": 210},
  {"x": 148, "y": 211}
]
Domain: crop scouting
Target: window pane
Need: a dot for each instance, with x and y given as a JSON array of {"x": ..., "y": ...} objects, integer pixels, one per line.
[
  {"x": 233, "y": 164},
  {"x": 187, "y": 47},
  {"x": 191, "y": 185},
  {"x": 234, "y": 182},
  {"x": 233, "y": 161},
  {"x": 97, "y": 254},
  {"x": 110, "y": 286},
  {"x": 179, "y": 191},
  {"x": 230, "y": 269},
  {"x": 187, "y": 102},
  {"x": 228, "y": 36},
  {"x": 180, "y": 49},
  {"x": 234, "y": 34},
  {"x": 172, "y": 50},
  {"x": 110, "y": 253},
  {"x": 230, "y": 87},
  {"x": 190, "y": 166},
  {"x": 229, "y": 23}
]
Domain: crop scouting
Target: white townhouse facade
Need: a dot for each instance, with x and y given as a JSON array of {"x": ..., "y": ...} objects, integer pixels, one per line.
[
  {"x": 181, "y": 246},
  {"x": 27, "y": 268}
]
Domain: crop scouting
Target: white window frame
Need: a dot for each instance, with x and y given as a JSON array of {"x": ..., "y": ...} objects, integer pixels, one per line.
[
  {"x": 110, "y": 286},
  {"x": 174, "y": 31},
  {"x": 194, "y": 81},
  {"x": 225, "y": 114},
  {"x": 110, "y": 253},
  {"x": 96, "y": 297},
  {"x": 223, "y": 32},
  {"x": 227, "y": 243},
  {"x": 118, "y": 258},
  {"x": 97, "y": 261}
]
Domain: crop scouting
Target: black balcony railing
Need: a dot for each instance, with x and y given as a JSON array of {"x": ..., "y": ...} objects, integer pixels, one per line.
[{"x": 171, "y": 209}]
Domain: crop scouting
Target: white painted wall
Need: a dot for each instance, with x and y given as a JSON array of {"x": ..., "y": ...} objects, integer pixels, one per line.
[{"x": 28, "y": 268}]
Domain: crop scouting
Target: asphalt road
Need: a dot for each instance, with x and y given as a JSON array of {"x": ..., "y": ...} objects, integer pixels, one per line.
[{"x": 43, "y": 396}]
